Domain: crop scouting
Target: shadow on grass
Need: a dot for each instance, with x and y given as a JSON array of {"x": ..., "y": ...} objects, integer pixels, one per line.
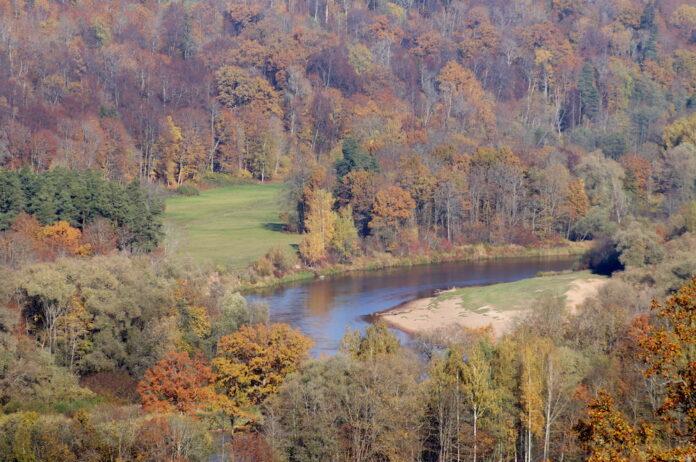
[{"x": 277, "y": 227}]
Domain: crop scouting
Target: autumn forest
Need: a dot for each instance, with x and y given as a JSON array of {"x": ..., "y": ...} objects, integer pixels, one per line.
[{"x": 399, "y": 132}]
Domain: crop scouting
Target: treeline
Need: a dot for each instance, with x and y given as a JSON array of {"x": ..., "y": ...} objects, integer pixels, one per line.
[
  {"x": 563, "y": 387},
  {"x": 81, "y": 198}
]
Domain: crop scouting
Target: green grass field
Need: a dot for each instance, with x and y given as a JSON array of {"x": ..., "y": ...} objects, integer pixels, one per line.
[
  {"x": 230, "y": 226},
  {"x": 512, "y": 296}
]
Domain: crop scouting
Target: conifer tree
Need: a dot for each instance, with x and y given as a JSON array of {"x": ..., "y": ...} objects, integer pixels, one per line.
[{"x": 589, "y": 95}]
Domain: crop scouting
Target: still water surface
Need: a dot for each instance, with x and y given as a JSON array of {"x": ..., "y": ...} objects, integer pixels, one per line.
[{"x": 324, "y": 309}]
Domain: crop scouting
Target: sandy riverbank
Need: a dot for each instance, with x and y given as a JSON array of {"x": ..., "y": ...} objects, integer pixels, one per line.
[{"x": 450, "y": 309}]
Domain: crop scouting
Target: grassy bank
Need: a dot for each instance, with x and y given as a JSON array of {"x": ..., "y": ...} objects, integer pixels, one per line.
[
  {"x": 514, "y": 296},
  {"x": 496, "y": 307},
  {"x": 230, "y": 226}
]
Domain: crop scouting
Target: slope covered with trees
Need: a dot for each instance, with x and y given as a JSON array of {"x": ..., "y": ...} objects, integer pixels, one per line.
[{"x": 457, "y": 121}]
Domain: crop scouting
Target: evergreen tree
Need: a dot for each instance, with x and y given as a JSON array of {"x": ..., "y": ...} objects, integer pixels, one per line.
[
  {"x": 65, "y": 210},
  {"x": 43, "y": 205},
  {"x": 11, "y": 198},
  {"x": 144, "y": 219},
  {"x": 647, "y": 48},
  {"x": 354, "y": 158},
  {"x": 589, "y": 95},
  {"x": 79, "y": 198}
]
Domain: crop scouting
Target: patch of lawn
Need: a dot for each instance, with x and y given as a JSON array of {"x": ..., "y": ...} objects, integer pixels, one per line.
[
  {"x": 512, "y": 296},
  {"x": 230, "y": 226}
]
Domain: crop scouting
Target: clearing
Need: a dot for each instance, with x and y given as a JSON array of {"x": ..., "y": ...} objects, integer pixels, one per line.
[
  {"x": 497, "y": 305},
  {"x": 231, "y": 226}
]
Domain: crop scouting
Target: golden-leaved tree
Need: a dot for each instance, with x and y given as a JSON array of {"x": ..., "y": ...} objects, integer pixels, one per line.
[
  {"x": 252, "y": 363},
  {"x": 320, "y": 226}
]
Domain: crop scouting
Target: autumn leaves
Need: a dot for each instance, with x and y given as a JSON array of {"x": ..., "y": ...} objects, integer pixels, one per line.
[{"x": 249, "y": 367}]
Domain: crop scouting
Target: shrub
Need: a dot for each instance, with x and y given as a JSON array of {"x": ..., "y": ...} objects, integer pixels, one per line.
[
  {"x": 263, "y": 266},
  {"x": 187, "y": 190}
]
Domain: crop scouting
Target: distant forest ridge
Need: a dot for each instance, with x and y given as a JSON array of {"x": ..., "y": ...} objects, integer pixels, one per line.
[{"x": 495, "y": 121}]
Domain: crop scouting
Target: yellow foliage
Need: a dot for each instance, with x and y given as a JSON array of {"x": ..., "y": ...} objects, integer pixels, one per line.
[
  {"x": 63, "y": 237},
  {"x": 680, "y": 131},
  {"x": 199, "y": 323},
  {"x": 320, "y": 226},
  {"x": 253, "y": 362},
  {"x": 360, "y": 58}
]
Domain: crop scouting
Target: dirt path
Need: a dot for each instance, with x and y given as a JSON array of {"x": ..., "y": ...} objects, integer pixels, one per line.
[{"x": 581, "y": 290}]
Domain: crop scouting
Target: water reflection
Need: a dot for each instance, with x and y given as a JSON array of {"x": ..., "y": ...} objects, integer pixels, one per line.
[{"x": 324, "y": 309}]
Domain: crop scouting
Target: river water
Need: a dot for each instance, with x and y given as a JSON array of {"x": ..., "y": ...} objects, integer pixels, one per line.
[{"x": 323, "y": 309}]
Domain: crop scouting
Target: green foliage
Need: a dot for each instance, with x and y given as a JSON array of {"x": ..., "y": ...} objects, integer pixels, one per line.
[
  {"x": 593, "y": 225},
  {"x": 80, "y": 197},
  {"x": 187, "y": 190},
  {"x": 106, "y": 435},
  {"x": 638, "y": 246},
  {"x": 343, "y": 409},
  {"x": 235, "y": 312},
  {"x": 589, "y": 95},
  {"x": 131, "y": 321},
  {"x": 345, "y": 242},
  {"x": 613, "y": 145},
  {"x": 376, "y": 341},
  {"x": 355, "y": 158},
  {"x": 11, "y": 198}
]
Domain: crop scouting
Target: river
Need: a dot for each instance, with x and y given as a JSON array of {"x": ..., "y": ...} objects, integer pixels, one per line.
[{"x": 323, "y": 309}]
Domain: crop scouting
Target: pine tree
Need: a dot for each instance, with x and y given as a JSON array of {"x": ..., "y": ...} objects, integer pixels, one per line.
[
  {"x": 11, "y": 198},
  {"x": 589, "y": 95},
  {"x": 43, "y": 204},
  {"x": 65, "y": 210},
  {"x": 354, "y": 158}
]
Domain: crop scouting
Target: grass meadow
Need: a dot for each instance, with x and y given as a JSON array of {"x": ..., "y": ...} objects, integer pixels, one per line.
[{"x": 230, "y": 226}]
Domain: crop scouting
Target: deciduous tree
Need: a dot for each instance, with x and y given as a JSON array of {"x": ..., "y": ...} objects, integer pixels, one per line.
[
  {"x": 178, "y": 383},
  {"x": 252, "y": 363}
]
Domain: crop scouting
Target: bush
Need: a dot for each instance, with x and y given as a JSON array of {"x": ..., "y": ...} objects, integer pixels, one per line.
[
  {"x": 638, "y": 246},
  {"x": 263, "y": 266},
  {"x": 187, "y": 190},
  {"x": 603, "y": 258},
  {"x": 282, "y": 260}
]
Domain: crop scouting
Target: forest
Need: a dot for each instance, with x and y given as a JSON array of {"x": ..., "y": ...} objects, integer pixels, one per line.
[{"x": 396, "y": 128}]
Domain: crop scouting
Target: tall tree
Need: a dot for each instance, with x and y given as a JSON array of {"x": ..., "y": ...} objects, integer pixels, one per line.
[
  {"x": 320, "y": 225},
  {"x": 670, "y": 353},
  {"x": 589, "y": 94},
  {"x": 252, "y": 363}
]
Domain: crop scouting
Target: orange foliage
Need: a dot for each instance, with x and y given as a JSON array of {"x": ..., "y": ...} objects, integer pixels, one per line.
[
  {"x": 63, "y": 239},
  {"x": 178, "y": 383},
  {"x": 669, "y": 353},
  {"x": 393, "y": 207}
]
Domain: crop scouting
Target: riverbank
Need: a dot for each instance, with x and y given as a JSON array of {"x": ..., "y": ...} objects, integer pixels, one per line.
[
  {"x": 475, "y": 252},
  {"x": 498, "y": 305}
]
